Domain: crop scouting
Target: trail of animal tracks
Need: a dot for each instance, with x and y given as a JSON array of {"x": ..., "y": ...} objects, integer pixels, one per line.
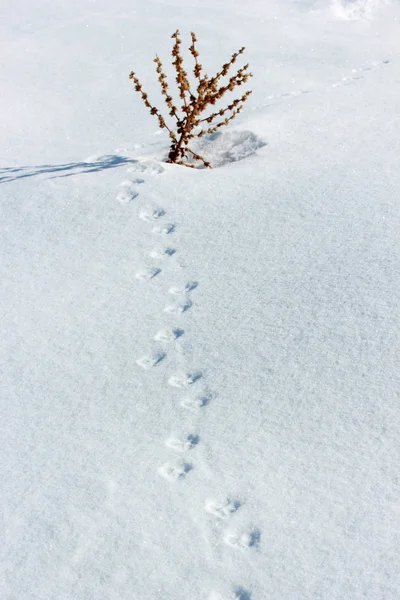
[{"x": 200, "y": 367}]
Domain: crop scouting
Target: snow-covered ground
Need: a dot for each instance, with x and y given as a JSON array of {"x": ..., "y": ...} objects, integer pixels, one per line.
[{"x": 200, "y": 373}]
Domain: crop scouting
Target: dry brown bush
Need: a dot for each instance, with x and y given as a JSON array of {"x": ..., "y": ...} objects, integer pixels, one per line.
[{"x": 190, "y": 122}]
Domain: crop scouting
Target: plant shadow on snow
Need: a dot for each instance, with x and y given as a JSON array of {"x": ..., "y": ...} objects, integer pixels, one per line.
[
  {"x": 109, "y": 161},
  {"x": 220, "y": 148}
]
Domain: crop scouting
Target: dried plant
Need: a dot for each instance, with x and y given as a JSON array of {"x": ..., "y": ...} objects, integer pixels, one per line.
[{"x": 190, "y": 122}]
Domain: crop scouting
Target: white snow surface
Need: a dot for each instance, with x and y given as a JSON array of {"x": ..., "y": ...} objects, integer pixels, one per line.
[{"x": 199, "y": 368}]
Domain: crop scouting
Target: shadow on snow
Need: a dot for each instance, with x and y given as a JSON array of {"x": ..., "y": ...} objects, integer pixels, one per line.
[{"x": 101, "y": 163}]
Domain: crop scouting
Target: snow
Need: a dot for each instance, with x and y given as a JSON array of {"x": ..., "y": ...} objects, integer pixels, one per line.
[{"x": 200, "y": 367}]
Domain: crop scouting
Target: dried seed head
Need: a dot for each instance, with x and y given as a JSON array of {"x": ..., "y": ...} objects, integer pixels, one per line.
[{"x": 208, "y": 92}]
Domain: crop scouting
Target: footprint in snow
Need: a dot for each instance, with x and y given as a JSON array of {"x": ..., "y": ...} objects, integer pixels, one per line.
[
  {"x": 278, "y": 98},
  {"x": 146, "y": 166},
  {"x": 183, "y": 380},
  {"x": 168, "y": 335},
  {"x": 178, "y": 307},
  {"x": 160, "y": 253},
  {"x": 146, "y": 274},
  {"x": 151, "y": 215},
  {"x": 222, "y": 508},
  {"x": 127, "y": 192},
  {"x": 356, "y": 73},
  {"x": 147, "y": 362},
  {"x": 242, "y": 540},
  {"x": 183, "y": 444},
  {"x": 164, "y": 229},
  {"x": 195, "y": 404},
  {"x": 349, "y": 80},
  {"x": 174, "y": 471},
  {"x": 178, "y": 291},
  {"x": 238, "y": 593}
]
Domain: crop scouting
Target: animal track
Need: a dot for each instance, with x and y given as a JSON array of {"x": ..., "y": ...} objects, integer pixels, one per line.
[
  {"x": 222, "y": 508},
  {"x": 237, "y": 594},
  {"x": 354, "y": 10},
  {"x": 358, "y": 73},
  {"x": 183, "y": 380},
  {"x": 195, "y": 404},
  {"x": 164, "y": 229},
  {"x": 284, "y": 96},
  {"x": 147, "y": 362},
  {"x": 178, "y": 291},
  {"x": 184, "y": 444},
  {"x": 174, "y": 471},
  {"x": 146, "y": 166},
  {"x": 151, "y": 215},
  {"x": 146, "y": 274},
  {"x": 241, "y": 594},
  {"x": 195, "y": 397},
  {"x": 248, "y": 539},
  {"x": 160, "y": 253},
  {"x": 178, "y": 307},
  {"x": 168, "y": 335},
  {"x": 127, "y": 193},
  {"x": 347, "y": 80}
]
